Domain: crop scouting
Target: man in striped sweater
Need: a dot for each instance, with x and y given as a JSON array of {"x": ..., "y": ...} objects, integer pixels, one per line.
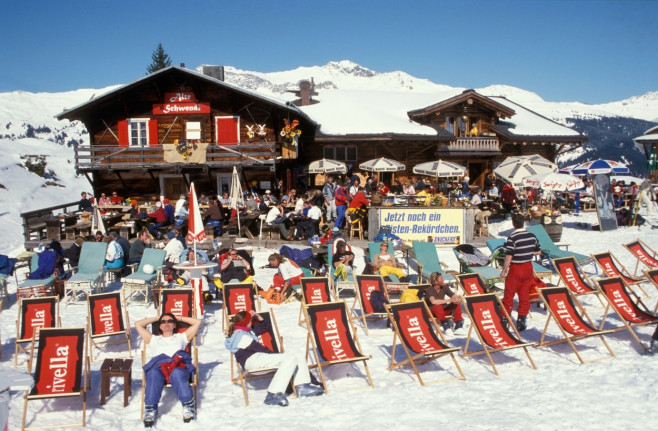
[{"x": 520, "y": 248}]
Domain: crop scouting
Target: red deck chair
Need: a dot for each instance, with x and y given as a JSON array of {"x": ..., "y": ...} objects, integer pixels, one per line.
[
  {"x": 472, "y": 284},
  {"x": 643, "y": 253},
  {"x": 652, "y": 275},
  {"x": 486, "y": 321},
  {"x": 332, "y": 338},
  {"x": 62, "y": 370},
  {"x": 420, "y": 338},
  {"x": 571, "y": 318},
  {"x": 273, "y": 341},
  {"x": 365, "y": 285},
  {"x": 627, "y": 304},
  {"x": 34, "y": 314},
  {"x": 315, "y": 290},
  {"x": 573, "y": 276},
  {"x": 238, "y": 297},
  {"x": 105, "y": 319},
  {"x": 612, "y": 267}
]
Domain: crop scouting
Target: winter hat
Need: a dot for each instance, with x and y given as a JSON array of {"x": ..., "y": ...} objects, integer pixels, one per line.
[
  {"x": 325, "y": 227},
  {"x": 336, "y": 229},
  {"x": 166, "y": 201},
  {"x": 267, "y": 192},
  {"x": 171, "y": 235},
  {"x": 133, "y": 202}
]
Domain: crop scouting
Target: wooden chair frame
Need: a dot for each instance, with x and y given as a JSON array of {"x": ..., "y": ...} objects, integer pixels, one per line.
[
  {"x": 426, "y": 333},
  {"x": 229, "y": 309},
  {"x": 137, "y": 283},
  {"x": 341, "y": 320},
  {"x": 652, "y": 276},
  {"x": 505, "y": 339},
  {"x": 627, "y": 305},
  {"x": 572, "y": 276},
  {"x": 37, "y": 325},
  {"x": 643, "y": 253},
  {"x": 616, "y": 269},
  {"x": 472, "y": 283},
  {"x": 328, "y": 291},
  {"x": 572, "y": 320},
  {"x": 109, "y": 302},
  {"x": 370, "y": 282},
  {"x": 81, "y": 372}
]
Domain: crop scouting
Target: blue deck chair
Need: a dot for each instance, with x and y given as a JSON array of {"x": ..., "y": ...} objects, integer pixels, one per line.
[
  {"x": 554, "y": 252},
  {"x": 490, "y": 274},
  {"x": 497, "y": 243},
  {"x": 428, "y": 261},
  {"x": 373, "y": 250},
  {"x": 47, "y": 281},
  {"x": 339, "y": 283},
  {"x": 90, "y": 274},
  {"x": 138, "y": 282}
]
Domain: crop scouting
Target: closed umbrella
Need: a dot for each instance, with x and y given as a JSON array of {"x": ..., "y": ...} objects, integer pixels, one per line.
[
  {"x": 381, "y": 165},
  {"x": 235, "y": 196},
  {"x": 600, "y": 166},
  {"x": 515, "y": 168},
  {"x": 440, "y": 168},
  {"x": 327, "y": 166},
  {"x": 195, "y": 231}
]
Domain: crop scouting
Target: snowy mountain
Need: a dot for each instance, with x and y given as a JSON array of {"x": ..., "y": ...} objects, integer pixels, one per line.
[{"x": 36, "y": 150}]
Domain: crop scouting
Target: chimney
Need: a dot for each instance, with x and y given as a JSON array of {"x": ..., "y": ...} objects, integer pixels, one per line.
[
  {"x": 306, "y": 92},
  {"x": 216, "y": 72},
  {"x": 182, "y": 65}
]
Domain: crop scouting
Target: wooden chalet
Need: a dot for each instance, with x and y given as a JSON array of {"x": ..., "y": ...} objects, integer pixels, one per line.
[
  {"x": 649, "y": 142},
  {"x": 169, "y": 128}
]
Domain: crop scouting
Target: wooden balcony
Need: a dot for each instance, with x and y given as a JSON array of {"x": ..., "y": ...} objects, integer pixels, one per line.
[
  {"x": 477, "y": 145},
  {"x": 96, "y": 157}
]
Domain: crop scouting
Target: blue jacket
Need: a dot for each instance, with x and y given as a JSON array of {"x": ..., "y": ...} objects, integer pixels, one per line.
[
  {"x": 162, "y": 358},
  {"x": 241, "y": 355}
]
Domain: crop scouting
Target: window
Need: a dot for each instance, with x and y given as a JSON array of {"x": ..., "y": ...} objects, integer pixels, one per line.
[
  {"x": 450, "y": 125},
  {"x": 138, "y": 132},
  {"x": 343, "y": 153},
  {"x": 193, "y": 130}
]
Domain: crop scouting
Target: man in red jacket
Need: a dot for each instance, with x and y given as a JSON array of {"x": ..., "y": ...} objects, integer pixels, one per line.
[
  {"x": 160, "y": 218},
  {"x": 357, "y": 207},
  {"x": 340, "y": 196}
]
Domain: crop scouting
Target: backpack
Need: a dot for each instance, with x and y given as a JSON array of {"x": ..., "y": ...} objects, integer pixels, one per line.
[{"x": 377, "y": 301}]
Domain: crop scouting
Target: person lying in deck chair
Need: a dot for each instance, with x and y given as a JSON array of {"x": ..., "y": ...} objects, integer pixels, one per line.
[
  {"x": 170, "y": 363},
  {"x": 242, "y": 341}
]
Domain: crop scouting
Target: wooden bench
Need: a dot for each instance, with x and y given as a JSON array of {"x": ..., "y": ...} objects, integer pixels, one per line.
[{"x": 116, "y": 368}]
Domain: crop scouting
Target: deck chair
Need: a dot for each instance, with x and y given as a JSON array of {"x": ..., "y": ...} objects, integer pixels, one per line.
[
  {"x": 62, "y": 370},
  {"x": 572, "y": 320},
  {"x": 194, "y": 377},
  {"x": 551, "y": 249},
  {"x": 178, "y": 301},
  {"x": 90, "y": 274},
  {"x": 428, "y": 262},
  {"x": 339, "y": 284},
  {"x": 394, "y": 285},
  {"x": 496, "y": 246},
  {"x": 464, "y": 254},
  {"x": 48, "y": 281},
  {"x": 612, "y": 267},
  {"x": 484, "y": 311},
  {"x": 365, "y": 285},
  {"x": 238, "y": 297},
  {"x": 315, "y": 290},
  {"x": 139, "y": 282},
  {"x": 627, "y": 305},
  {"x": 643, "y": 253},
  {"x": 652, "y": 275},
  {"x": 421, "y": 340},
  {"x": 34, "y": 314},
  {"x": 573, "y": 276},
  {"x": 332, "y": 338},
  {"x": 271, "y": 340},
  {"x": 472, "y": 284},
  {"x": 106, "y": 322}
]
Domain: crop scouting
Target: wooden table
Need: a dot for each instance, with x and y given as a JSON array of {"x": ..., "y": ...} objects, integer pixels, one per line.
[{"x": 116, "y": 368}]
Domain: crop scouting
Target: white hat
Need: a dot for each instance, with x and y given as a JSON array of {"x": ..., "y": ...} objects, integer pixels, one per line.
[{"x": 267, "y": 192}]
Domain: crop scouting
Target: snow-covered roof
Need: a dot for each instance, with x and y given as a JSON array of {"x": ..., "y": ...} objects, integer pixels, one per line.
[{"x": 529, "y": 123}]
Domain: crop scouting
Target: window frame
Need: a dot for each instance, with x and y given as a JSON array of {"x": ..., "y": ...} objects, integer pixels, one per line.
[{"x": 144, "y": 140}]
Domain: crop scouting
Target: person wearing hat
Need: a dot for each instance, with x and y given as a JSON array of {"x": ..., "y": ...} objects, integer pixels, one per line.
[
  {"x": 160, "y": 217},
  {"x": 327, "y": 233}
]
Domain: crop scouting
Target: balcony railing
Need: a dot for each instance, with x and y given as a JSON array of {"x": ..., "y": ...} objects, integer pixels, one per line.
[{"x": 478, "y": 144}]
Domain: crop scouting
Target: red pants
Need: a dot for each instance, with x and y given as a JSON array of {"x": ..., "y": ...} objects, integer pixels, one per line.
[
  {"x": 518, "y": 282},
  {"x": 441, "y": 310},
  {"x": 278, "y": 281}
]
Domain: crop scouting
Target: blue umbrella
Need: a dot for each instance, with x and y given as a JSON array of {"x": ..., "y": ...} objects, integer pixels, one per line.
[{"x": 600, "y": 167}]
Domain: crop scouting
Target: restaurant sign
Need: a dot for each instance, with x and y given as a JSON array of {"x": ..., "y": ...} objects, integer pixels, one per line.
[
  {"x": 182, "y": 102},
  {"x": 439, "y": 225}
]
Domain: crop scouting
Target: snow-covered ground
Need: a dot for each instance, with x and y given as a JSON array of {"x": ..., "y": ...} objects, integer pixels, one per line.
[{"x": 561, "y": 394}]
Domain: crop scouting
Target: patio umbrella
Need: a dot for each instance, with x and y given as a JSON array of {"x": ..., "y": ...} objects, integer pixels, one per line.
[
  {"x": 195, "y": 231},
  {"x": 440, "y": 168},
  {"x": 600, "y": 166},
  {"x": 554, "y": 181},
  {"x": 381, "y": 165},
  {"x": 568, "y": 169},
  {"x": 97, "y": 223},
  {"x": 235, "y": 195},
  {"x": 515, "y": 168},
  {"x": 327, "y": 166}
]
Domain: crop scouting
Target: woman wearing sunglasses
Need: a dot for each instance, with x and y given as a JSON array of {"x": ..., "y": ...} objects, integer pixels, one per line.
[{"x": 169, "y": 363}]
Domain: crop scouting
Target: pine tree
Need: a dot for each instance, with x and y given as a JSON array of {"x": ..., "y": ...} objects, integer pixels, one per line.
[{"x": 160, "y": 60}]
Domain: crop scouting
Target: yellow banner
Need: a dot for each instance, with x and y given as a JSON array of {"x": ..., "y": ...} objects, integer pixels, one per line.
[{"x": 439, "y": 225}]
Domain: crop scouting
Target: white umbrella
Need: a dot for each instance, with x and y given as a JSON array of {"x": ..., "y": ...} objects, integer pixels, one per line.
[
  {"x": 440, "y": 168},
  {"x": 195, "y": 231},
  {"x": 554, "y": 181},
  {"x": 97, "y": 223},
  {"x": 381, "y": 165},
  {"x": 235, "y": 196},
  {"x": 327, "y": 166},
  {"x": 515, "y": 168}
]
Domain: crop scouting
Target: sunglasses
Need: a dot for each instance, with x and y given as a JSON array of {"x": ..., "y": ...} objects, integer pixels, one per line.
[
  {"x": 166, "y": 321},
  {"x": 233, "y": 254}
]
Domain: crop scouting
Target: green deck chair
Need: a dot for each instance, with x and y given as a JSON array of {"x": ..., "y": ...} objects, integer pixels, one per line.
[
  {"x": 138, "y": 282},
  {"x": 427, "y": 256},
  {"x": 496, "y": 243},
  {"x": 90, "y": 274},
  {"x": 554, "y": 252}
]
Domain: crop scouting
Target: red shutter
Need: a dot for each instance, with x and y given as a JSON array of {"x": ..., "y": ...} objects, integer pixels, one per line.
[
  {"x": 123, "y": 133},
  {"x": 154, "y": 140},
  {"x": 228, "y": 132}
]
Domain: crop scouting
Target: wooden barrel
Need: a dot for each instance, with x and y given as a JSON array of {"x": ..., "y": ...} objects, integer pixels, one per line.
[{"x": 553, "y": 229}]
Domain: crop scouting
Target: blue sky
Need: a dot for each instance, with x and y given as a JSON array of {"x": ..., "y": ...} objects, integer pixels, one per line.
[{"x": 564, "y": 50}]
